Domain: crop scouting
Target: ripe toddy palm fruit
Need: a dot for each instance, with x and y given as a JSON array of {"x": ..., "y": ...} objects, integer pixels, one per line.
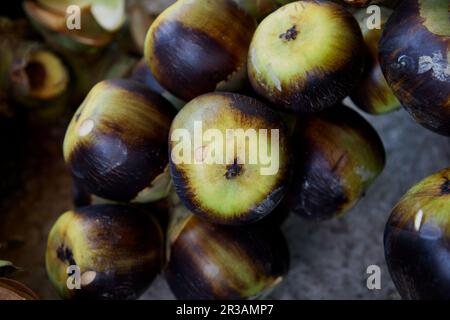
[
  {"x": 416, "y": 240},
  {"x": 372, "y": 94},
  {"x": 116, "y": 144},
  {"x": 218, "y": 148},
  {"x": 414, "y": 57},
  {"x": 337, "y": 158},
  {"x": 118, "y": 250},
  {"x": 198, "y": 46},
  {"x": 306, "y": 56},
  {"x": 209, "y": 261}
]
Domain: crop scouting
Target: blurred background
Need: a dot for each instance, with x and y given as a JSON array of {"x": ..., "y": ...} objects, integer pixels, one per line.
[{"x": 328, "y": 259}]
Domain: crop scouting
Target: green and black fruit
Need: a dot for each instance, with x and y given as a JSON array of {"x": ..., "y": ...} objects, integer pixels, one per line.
[
  {"x": 209, "y": 261},
  {"x": 230, "y": 184},
  {"x": 415, "y": 56},
  {"x": 198, "y": 46},
  {"x": 116, "y": 144},
  {"x": 417, "y": 240},
  {"x": 118, "y": 250},
  {"x": 373, "y": 94},
  {"x": 337, "y": 158},
  {"x": 306, "y": 56}
]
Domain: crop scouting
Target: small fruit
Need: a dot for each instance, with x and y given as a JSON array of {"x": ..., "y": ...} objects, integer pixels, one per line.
[
  {"x": 225, "y": 177},
  {"x": 306, "y": 56},
  {"x": 417, "y": 237},
  {"x": 14, "y": 290},
  {"x": 198, "y": 46},
  {"x": 414, "y": 57},
  {"x": 210, "y": 261},
  {"x": 373, "y": 94},
  {"x": 337, "y": 158},
  {"x": 99, "y": 20},
  {"x": 38, "y": 74},
  {"x": 116, "y": 144},
  {"x": 118, "y": 250}
]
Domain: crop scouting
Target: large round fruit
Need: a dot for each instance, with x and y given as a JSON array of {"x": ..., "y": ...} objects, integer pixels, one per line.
[
  {"x": 337, "y": 158},
  {"x": 417, "y": 240},
  {"x": 414, "y": 56},
  {"x": 198, "y": 46},
  {"x": 118, "y": 250},
  {"x": 237, "y": 171},
  {"x": 116, "y": 144},
  {"x": 210, "y": 261},
  {"x": 306, "y": 56}
]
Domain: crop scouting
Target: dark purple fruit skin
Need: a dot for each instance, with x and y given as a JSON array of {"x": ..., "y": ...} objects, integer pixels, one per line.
[
  {"x": 266, "y": 252},
  {"x": 141, "y": 166},
  {"x": 80, "y": 196},
  {"x": 417, "y": 240},
  {"x": 420, "y": 267},
  {"x": 142, "y": 74},
  {"x": 276, "y": 218},
  {"x": 128, "y": 227},
  {"x": 405, "y": 39},
  {"x": 324, "y": 196},
  {"x": 189, "y": 60},
  {"x": 319, "y": 92}
]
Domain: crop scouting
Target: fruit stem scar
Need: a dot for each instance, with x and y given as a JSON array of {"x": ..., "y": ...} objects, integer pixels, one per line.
[
  {"x": 233, "y": 170},
  {"x": 65, "y": 255},
  {"x": 290, "y": 34},
  {"x": 445, "y": 187}
]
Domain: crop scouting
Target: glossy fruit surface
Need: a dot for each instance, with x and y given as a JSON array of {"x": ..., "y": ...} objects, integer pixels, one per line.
[
  {"x": 417, "y": 238},
  {"x": 373, "y": 94},
  {"x": 414, "y": 56},
  {"x": 210, "y": 261},
  {"x": 337, "y": 158},
  {"x": 118, "y": 250},
  {"x": 116, "y": 144},
  {"x": 142, "y": 73},
  {"x": 225, "y": 184},
  {"x": 198, "y": 46},
  {"x": 306, "y": 56}
]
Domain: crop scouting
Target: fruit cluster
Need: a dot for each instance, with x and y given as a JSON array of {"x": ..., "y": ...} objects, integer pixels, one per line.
[{"x": 281, "y": 68}]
